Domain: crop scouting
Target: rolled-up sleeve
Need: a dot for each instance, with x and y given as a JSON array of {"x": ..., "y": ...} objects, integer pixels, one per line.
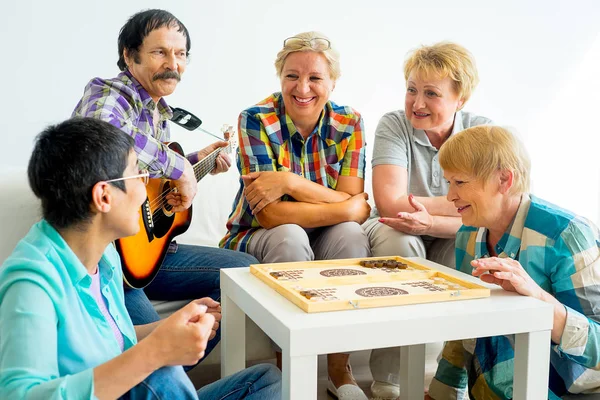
[
  {"x": 575, "y": 273},
  {"x": 354, "y": 158},
  {"x": 255, "y": 153}
]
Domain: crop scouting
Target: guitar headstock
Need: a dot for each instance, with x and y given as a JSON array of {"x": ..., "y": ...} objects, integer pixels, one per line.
[{"x": 229, "y": 135}]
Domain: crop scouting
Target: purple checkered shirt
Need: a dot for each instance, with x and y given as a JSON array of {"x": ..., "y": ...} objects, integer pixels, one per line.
[{"x": 124, "y": 103}]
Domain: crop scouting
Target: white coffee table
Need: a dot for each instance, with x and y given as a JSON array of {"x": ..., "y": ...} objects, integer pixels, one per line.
[{"x": 302, "y": 336}]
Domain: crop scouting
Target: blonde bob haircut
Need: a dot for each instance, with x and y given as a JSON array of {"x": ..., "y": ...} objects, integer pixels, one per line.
[
  {"x": 445, "y": 59},
  {"x": 310, "y": 41},
  {"x": 482, "y": 150}
]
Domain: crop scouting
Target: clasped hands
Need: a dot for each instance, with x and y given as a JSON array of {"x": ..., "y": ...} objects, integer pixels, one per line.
[
  {"x": 181, "y": 338},
  {"x": 263, "y": 188}
]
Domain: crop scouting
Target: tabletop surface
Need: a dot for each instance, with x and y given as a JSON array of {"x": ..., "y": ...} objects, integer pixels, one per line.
[{"x": 501, "y": 313}]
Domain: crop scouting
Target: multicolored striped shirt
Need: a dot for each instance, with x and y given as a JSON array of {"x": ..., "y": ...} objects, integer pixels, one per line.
[
  {"x": 124, "y": 103},
  {"x": 269, "y": 141},
  {"x": 561, "y": 252}
]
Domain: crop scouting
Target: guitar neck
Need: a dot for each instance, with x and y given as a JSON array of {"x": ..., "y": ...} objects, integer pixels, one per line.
[{"x": 207, "y": 164}]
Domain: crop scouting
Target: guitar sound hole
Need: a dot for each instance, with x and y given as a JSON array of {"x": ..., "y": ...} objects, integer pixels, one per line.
[{"x": 163, "y": 217}]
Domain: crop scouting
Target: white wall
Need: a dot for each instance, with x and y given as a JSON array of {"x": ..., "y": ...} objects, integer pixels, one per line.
[{"x": 538, "y": 63}]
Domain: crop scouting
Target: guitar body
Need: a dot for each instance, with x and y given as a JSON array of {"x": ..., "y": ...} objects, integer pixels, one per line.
[{"x": 143, "y": 253}]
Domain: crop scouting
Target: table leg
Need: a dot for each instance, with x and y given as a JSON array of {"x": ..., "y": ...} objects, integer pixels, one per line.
[
  {"x": 412, "y": 372},
  {"x": 233, "y": 338},
  {"x": 299, "y": 380},
  {"x": 532, "y": 365}
]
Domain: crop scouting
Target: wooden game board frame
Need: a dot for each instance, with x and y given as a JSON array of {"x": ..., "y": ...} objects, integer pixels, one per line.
[{"x": 285, "y": 288}]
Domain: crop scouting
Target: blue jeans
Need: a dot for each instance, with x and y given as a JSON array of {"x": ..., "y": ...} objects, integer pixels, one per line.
[
  {"x": 260, "y": 382},
  {"x": 191, "y": 273}
]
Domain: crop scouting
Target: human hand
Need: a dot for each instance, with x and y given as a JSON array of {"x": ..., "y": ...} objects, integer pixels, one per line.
[
  {"x": 222, "y": 162},
  {"x": 181, "y": 338},
  {"x": 507, "y": 273},
  {"x": 263, "y": 188},
  {"x": 214, "y": 308},
  {"x": 418, "y": 222},
  {"x": 186, "y": 187},
  {"x": 358, "y": 208}
]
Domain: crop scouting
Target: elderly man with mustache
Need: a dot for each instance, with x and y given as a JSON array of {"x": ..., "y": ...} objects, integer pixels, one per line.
[{"x": 154, "y": 51}]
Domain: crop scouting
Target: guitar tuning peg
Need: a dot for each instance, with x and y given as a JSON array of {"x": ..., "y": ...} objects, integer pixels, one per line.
[{"x": 226, "y": 128}]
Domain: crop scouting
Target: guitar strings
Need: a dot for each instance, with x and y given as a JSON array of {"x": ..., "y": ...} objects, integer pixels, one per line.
[
  {"x": 197, "y": 168},
  {"x": 156, "y": 207},
  {"x": 200, "y": 170}
]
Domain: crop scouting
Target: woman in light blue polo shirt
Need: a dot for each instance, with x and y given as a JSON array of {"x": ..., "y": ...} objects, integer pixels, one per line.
[
  {"x": 413, "y": 217},
  {"x": 64, "y": 329}
]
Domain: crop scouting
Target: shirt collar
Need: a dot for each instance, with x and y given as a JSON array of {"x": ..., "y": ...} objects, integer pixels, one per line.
[
  {"x": 422, "y": 139},
  {"x": 163, "y": 108},
  {"x": 510, "y": 243},
  {"x": 325, "y": 114},
  {"x": 76, "y": 270}
]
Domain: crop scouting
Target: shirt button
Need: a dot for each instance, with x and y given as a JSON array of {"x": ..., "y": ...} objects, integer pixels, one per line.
[{"x": 435, "y": 174}]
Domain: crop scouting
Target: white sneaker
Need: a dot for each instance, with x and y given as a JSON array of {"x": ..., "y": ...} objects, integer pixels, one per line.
[
  {"x": 384, "y": 391},
  {"x": 346, "y": 392}
]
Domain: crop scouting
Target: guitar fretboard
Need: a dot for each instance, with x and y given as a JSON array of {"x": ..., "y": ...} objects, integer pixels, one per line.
[{"x": 207, "y": 164}]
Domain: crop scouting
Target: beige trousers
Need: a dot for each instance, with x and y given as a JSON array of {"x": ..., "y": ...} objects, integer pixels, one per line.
[
  {"x": 386, "y": 241},
  {"x": 289, "y": 242}
]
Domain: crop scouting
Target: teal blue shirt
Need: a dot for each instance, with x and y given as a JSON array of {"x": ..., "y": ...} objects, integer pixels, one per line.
[{"x": 52, "y": 332}]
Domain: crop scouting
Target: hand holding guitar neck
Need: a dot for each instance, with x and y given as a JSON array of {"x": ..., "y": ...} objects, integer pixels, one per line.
[{"x": 223, "y": 161}]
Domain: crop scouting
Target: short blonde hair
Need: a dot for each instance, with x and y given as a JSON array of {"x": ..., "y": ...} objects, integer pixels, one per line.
[
  {"x": 482, "y": 150},
  {"x": 445, "y": 59},
  {"x": 304, "y": 44}
]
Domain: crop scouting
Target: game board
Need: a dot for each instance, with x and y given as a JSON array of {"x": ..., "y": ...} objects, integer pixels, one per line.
[{"x": 332, "y": 285}]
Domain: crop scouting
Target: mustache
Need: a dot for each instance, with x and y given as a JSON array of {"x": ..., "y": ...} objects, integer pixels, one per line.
[{"x": 167, "y": 75}]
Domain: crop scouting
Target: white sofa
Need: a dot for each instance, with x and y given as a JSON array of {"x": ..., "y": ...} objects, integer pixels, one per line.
[{"x": 20, "y": 209}]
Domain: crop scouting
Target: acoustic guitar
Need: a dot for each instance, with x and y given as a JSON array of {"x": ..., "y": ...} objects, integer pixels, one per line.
[{"x": 142, "y": 254}]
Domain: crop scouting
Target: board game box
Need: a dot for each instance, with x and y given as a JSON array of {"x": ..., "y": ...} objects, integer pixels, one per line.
[{"x": 332, "y": 285}]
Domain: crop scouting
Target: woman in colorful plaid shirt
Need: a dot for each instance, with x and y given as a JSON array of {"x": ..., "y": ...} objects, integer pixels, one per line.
[
  {"x": 302, "y": 161},
  {"x": 525, "y": 245}
]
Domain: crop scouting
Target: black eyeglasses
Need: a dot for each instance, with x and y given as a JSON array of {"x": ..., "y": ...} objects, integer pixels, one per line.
[{"x": 318, "y": 44}]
